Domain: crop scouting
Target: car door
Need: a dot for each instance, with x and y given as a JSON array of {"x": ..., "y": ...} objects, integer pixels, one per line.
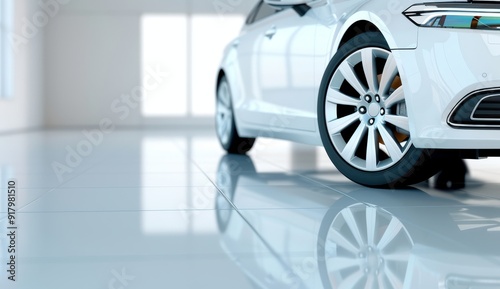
[
  {"x": 276, "y": 57},
  {"x": 248, "y": 102},
  {"x": 285, "y": 71}
]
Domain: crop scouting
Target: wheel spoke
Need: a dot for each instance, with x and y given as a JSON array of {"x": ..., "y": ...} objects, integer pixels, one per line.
[
  {"x": 370, "y": 282},
  {"x": 380, "y": 281},
  {"x": 338, "y": 125},
  {"x": 388, "y": 75},
  {"x": 351, "y": 281},
  {"x": 224, "y": 96},
  {"x": 390, "y": 143},
  {"x": 341, "y": 241},
  {"x": 390, "y": 233},
  {"x": 349, "y": 75},
  {"x": 337, "y": 97},
  {"x": 396, "y": 97},
  {"x": 220, "y": 129},
  {"x": 393, "y": 279},
  {"x": 223, "y": 127},
  {"x": 371, "y": 221},
  {"x": 353, "y": 226},
  {"x": 398, "y": 257},
  {"x": 222, "y": 109},
  {"x": 370, "y": 69},
  {"x": 342, "y": 263},
  {"x": 399, "y": 121},
  {"x": 372, "y": 149},
  {"x": 350, "y": 149}
]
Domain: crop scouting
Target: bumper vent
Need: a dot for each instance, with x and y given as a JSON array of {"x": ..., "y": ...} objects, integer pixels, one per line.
[
  {"x": 460, "y": 282},
  {"x": 478, "y": 110},
  {"x": 488, "y": 109}
]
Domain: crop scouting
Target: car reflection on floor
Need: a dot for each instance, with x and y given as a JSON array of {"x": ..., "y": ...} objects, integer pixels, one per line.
[{"x": 353, "y": 237}]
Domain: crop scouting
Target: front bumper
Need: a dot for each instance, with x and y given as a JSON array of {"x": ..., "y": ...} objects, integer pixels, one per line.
[
  {"x": 429, "y": 268},
  {"x": 447, "y": 66}
]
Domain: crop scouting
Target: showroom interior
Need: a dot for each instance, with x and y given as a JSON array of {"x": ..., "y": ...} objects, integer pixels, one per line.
[{"x": 112, "y": 175}]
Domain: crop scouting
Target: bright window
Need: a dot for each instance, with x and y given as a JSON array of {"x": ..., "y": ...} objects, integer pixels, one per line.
[
  {"x": 164, "y": 40},
  {"x": 189, "y": 48},
  {"x": 6, "y": 65}
]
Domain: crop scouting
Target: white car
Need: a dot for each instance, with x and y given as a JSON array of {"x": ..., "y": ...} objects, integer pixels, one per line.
[{"x": 389, "y": 88}]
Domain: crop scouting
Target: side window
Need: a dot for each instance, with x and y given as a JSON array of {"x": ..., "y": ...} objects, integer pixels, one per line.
[
  {"x": 264, "y": 11},
  {"x": 261, "y": 11},
  {"x": 251, "y": 16}
]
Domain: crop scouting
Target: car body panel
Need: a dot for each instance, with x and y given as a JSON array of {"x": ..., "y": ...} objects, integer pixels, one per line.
[
  {"x": 272, "y": 91},
  {"x": 453, "y": 69}
]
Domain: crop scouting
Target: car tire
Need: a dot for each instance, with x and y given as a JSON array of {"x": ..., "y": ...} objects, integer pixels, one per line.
[
  {"x": 363, "y": 119},
  {"x": 225, "y": 124}
]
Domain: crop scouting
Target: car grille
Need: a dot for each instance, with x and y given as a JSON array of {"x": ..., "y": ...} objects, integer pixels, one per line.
[
  {"x": 488, "y": 109},
  {"x": 480, "y": 109},
  {"x": 461, "y": 282}
]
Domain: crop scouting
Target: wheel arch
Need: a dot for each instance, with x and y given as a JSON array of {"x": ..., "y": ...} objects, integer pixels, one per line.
[
  {"x": 357, "y": 28},
  {"x": 220, "y": 75},
  {"x": 365, "y": 21}
]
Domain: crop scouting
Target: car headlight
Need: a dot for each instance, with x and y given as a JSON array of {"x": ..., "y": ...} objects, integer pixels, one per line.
[{"x": 455, "y": 15}]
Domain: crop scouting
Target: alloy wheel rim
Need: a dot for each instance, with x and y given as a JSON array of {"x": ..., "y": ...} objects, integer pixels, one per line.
[
  {"x": 366, "y": 115},
  {"x": 224, "y": 113},
  {"x": 367, "y": 248}
]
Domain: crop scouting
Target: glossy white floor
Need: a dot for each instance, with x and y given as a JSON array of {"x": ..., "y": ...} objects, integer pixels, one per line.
[{"x": 170, "y": 210}]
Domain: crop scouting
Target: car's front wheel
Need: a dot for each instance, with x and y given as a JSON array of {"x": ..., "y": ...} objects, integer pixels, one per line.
[{"x": 363, "y": 118}]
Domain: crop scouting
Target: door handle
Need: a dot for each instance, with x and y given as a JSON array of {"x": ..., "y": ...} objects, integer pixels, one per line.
[{"x": 271, "y": 32}]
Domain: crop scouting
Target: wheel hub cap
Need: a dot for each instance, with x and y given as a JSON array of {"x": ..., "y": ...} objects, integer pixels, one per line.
[{"x": 374, "y": 109}]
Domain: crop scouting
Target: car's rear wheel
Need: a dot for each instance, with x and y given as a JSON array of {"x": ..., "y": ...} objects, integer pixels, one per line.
[
  {"x": 363, "y": 117},
  {"x": 225, "y": 124}
]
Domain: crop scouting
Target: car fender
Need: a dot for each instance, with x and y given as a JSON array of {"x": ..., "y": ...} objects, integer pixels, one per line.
[
  {"x": 407, "y": 32},
  {"x": 230, "y": 68}
]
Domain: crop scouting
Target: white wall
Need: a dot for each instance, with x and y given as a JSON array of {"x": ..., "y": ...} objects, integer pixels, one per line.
[
  {"x": 25, "y": 109},
  {"x": 93, "y": 56}
]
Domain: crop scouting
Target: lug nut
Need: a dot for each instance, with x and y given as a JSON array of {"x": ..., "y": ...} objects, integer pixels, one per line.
[
  {"x": 371, "y": 121},
  {"x": 377, "y": 98},
  {"x": 368, "y": 98},
  {"x": 382, "y": 111},
  {"x": 362, "y": 110}
]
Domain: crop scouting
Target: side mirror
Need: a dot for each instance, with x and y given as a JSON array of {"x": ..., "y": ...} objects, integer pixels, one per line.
[
  {"x": 287, "y": 2},
  {"x": 300, "y": 6}
]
